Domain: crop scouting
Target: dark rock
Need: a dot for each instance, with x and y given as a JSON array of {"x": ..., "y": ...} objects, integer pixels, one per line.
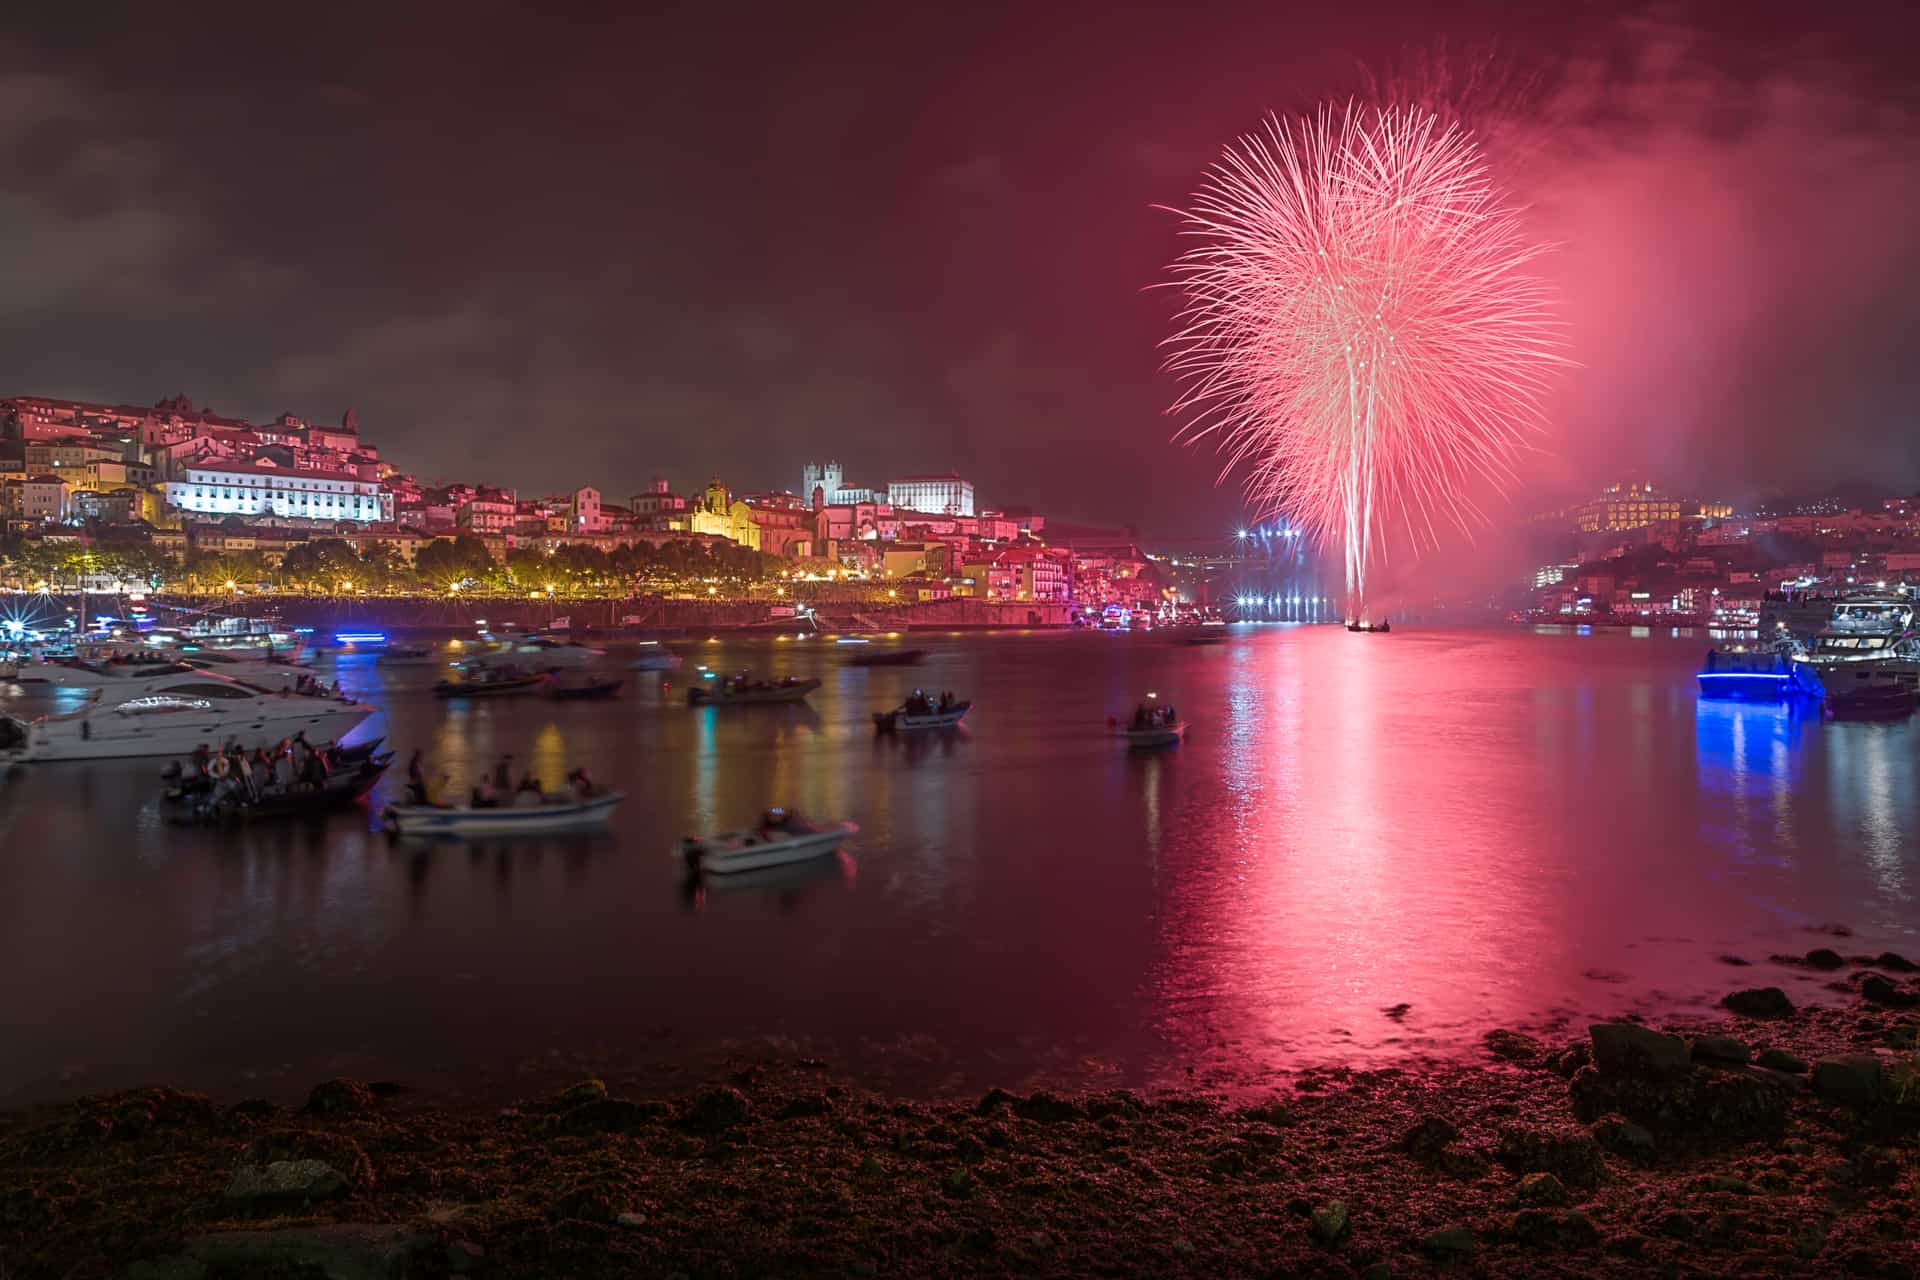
[
  {"x": 958, "y": 1184},
  {"x": 1397, "y": 1011},
  {"x": 287, "y": 1183},
  {"x": 612, "y": 1115},
  {"x": 464, "y": 1257},
  {"x": 1883, "y": 991},
  {"x": 1329, "y": 1222},
  {"x": 1719, "y": 1106},
  {"x": 716, "y": 1110},
  {"x": 1570, "y": 1155},
  {"x": 1896, "y": 962},
  {"x": 1555, "y": 1228},
  {"x": 586, "y": 1091},
  {"x": 338, "y": 1097},
  {"x": 1273, "y": 1113},
  {"x": 802, "y": 1108},
  {"x": 993, "y": 1101},
  {"x": 1118, "y": 1103},
  {"x": 338, "y": 1250},
  {"x": 1726, "y": 1182},
  {"x": 1570, "y": 1059},
  {"x": 1781, "y": 1060},
  {"x": 1621, "y": 1048},
  {"x": 586, "y": 1202},
  {"x": 1758, "y": 1002},
  {"x": 25, "y": 1209},
  {"x": 1624, "y": 1138},
  {"x": 386, "y": 1088},
  {"x": 1428, "y": 1138},
  {"x": 1540, "y": 1189},
  {"x": 631, "y": 1221},
  {"x": 1738, "y": 961},
  {"x": 178, "y": 1267},
  {"x": 342, "y": 1152},
  {"x": 1512, "y": 1046},
  {"x": 1047, "y": 1109},
  {"x": 1721, "y": 1049},
  {"x": 1824, "y": 958},
  {"x": 1852, "y": 1079},
  {"x": 1448, "y": 1242}
]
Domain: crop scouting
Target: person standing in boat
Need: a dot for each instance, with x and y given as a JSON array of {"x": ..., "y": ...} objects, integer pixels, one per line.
[{"x": 503, "y": 775}]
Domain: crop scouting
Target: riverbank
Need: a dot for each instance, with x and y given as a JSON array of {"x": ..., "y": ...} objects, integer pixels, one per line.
[{"x": 1774, "y": 1142}]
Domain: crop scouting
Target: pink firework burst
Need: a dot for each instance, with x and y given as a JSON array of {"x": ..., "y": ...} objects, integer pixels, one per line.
[{"x": 1362, "y": 328}]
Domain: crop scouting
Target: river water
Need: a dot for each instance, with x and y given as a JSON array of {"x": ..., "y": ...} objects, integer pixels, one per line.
[{"x": 1491, "y": 828}]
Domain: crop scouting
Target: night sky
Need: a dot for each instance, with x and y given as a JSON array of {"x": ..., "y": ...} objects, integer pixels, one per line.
[{"x": 553, "y": 245}]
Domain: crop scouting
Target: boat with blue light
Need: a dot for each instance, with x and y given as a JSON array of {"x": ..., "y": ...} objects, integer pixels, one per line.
[{"x": 1755, "y": 675}]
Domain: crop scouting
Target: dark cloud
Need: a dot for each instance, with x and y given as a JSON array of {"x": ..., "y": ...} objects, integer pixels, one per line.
[{"x": 543, "y": 249}]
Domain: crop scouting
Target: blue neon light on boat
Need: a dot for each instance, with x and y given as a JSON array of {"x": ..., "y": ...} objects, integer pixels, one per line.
[{"x": 360, "y": 637}]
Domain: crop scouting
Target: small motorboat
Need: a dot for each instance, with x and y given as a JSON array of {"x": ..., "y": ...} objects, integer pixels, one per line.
[
  {"x": 655, "y": 656},
  {"x": 1212, "y": 631},
  {"x": 888, "y": 658},
  {"x": 720, "y": 691},
  {"x": 1754, "y": 674},
  {"x": 490, "y": 682},
  {"x": 781, "y": 838},
  {"x": 192, "y": 801},
  {"x": 400, "y": 655},
  {"x": 586, "y": 691},
  {"x": 562, "y": 812},
  {"x": 920, "y": 713},
  {"x": 1159, "y": 735},
  {"x": 1380, "y": 628}
]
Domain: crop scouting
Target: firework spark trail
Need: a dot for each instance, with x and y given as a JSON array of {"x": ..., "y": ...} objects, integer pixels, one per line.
[{"x": 1361, "y": 328}]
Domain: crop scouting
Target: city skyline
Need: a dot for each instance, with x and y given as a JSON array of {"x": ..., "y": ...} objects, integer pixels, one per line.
[{"x": 764, "y": 247}]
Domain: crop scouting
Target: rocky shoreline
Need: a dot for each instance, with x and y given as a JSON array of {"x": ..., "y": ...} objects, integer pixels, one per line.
[{"x": 1772, "y": 1142}]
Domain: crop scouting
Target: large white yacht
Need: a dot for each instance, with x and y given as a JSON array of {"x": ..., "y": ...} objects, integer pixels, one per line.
[
  {"x": 164, "y": 709},
  {"x": 1868, "y": 645}
]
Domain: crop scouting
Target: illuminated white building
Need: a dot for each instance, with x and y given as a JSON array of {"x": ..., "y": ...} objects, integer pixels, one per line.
[
  {"x": 946, "y": 495},
  {"x": 261, "y": 489}
]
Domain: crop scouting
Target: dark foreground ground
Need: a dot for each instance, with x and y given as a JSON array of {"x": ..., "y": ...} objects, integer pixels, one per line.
[{"x": 1775, "y": 1143}]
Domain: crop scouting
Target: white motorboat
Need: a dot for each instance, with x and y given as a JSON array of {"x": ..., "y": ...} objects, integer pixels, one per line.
[
  {"x": 1159, "y": 735},
  {"x": 554, "y": 813},
  {"x": 172, "y": 716},
  {"x": 655, "y": 656},
  {"x": 1869, "y": 648},
  {"x": 780, "y": 839},
  {"x": 543, "y": 653},
  {"x": 116, "y": 674},
  {"x": 920, "y": 714}
]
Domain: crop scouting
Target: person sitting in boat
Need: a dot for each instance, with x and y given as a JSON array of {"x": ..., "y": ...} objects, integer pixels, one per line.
[
  {"x": 528, "y": 793},
  {"x": 581, "y": 784},
  {"x": 485, "y": 796},
  {"x": 200, "y": 759}
]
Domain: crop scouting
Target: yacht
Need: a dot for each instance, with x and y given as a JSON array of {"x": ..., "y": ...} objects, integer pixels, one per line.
[
  {"x": 1868, "y": 647},
  {"x": 165, "y": 709},
  {"x": 544, "y": 653}
]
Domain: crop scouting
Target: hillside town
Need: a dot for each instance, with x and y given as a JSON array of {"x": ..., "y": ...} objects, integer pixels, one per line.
[
  {"x": 1637, "y": 554},
  {"x": 117, "y": 497}
]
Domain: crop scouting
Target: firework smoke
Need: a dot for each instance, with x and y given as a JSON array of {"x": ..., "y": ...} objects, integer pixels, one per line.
[{"x": 1361, "y": 326}]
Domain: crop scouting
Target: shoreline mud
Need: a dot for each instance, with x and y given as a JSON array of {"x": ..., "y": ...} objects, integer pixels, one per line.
[{"x": 1772, "y": 1141}]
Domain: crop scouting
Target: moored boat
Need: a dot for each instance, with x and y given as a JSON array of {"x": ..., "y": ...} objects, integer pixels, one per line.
[
  {"x": 721, "y": 691},
  {"x": 921, "y": 712},
  {"x": 171, "y": 717},
  {"x": 195, "y": 800},
  {"x": 554, "y": 813},
  {"x": 654, "y": 656},
  {"x": 1754, "y": 674},
  {"x": 887, "y": 658},
  {"x": 1380, "y": 628},
  {"x": 490, "y": 682},
  {"x": 1882, "y": 700},
  {"x": 585, "y": 691},
  {"x": 781, "y": 838},
  {"x": 1159, "y": 735}
]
